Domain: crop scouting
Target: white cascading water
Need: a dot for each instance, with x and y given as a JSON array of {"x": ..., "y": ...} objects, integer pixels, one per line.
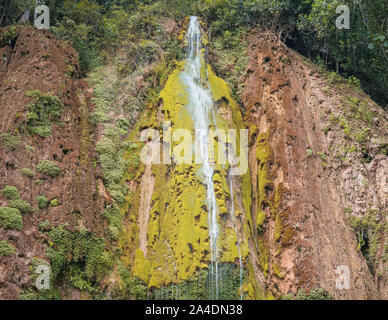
[{"x": 202, "y": 106}]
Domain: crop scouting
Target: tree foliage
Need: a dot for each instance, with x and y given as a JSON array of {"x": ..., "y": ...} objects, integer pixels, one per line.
[{"x": 97, "y": 27}]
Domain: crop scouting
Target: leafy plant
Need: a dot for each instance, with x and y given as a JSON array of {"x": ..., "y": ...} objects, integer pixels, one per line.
[
  {"x": 9, "y": 36},
  {"x": 11, "y": 192},
  {"x": 54, "y": 203},
  {"x": 28, "y": 172},
  {"x": 6, "y": 249},
  {"x": 80, "y": 255},
  {"x": 48, "y": 167},
  {"x": 316, "y": 294},
  {"x": 42, "y": 202},
  {"x": 44, "y": 226},
  {"x": 44, "y": 110},
  {"x": 10, "y": 141},
  {"x": 10, "y": 218},
  {"x": 21, "y": 205}
]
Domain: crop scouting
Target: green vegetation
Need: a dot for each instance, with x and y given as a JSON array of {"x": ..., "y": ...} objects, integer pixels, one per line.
[
  {"x": 42, "y": 202},
  {"x": 113, "y": 216},
  {"x": 6, "y": 249},
  {"x": 130, "y": 287},
  {"x": 369, "y": 231},
  {"x": 48, "y": 167},
  {"x": 54, "y": 203},
  {"x": 348, "y": 210},
  {"x": 16, "y": 202},
  {"x": 21, "y": 205},
  {"x": 97, "y": 28},
  {"x": 31, "y": 293},
  {"x": 197, "y": 288},
  {"x": 10, "y": 218},
  {"x": 9, "y": 36},
  {"x": 316, "y": 294},
  {"x": 11, "y": 193},
  {"x": 10, "y": 141},
  {"x": 44, "y": 110},
  {"x": 81, "y": 256},
  {"x": 44, "y": 226},
  {"x": 309, "y": 152},
  {"x": 28, "y": 172}
]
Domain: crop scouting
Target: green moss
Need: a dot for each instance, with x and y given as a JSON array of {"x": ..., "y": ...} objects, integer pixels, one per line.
[
  {"x": 252, "y": 288},
  {"x": 6, "y": 249},
  {"x": 177, "y": 232},
  {"x": 263, "y": 256},
  {"x": 48, "y": 167},
  {"x": 10, "y": 218},
  {"x": 11, "y": 193},
  {"x": 263, "y": 156},
  {"x": 277, "y": 271}
]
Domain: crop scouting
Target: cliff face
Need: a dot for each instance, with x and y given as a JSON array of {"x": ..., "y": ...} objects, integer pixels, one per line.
[
  {"x": 34, "y": 60},
  {"x": 318, "y": 150},
  {"x": 314, "y": 197}
]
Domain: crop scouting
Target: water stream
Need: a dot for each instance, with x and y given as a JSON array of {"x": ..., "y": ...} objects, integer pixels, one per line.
[{"x": 202, "y": 106}]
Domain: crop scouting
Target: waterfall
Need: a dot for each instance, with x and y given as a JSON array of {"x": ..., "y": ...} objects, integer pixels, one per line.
[{"x": 202, "y": 106}]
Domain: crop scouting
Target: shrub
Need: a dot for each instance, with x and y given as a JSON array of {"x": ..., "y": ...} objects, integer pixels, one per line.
[
  {"x": 54, "y": 202},
  {"x": 6, "y": 249},
  {"x": 11, "y": 192},
  {"x": 21, "y": 205},
  {"x": 316, "y": 294},
  {"x": 9, "y": 140},
  {"x": 44, "y": 226},
  {"x": 42, "y": 202},
  {"x": 368, "y": 232},
  {"x": 28, "y": 172},
  {"x": 10, "y": 218},
  {"x": 44, "y": 110},
  {"x": 9, "y": 36},
  {"x": 79, "y": 251},
  {"x": 48, "y": 167}
]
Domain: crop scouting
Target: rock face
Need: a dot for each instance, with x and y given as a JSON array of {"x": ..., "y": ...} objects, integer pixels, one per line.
[
  {"x": 313, "y": 202},
  {"x": 310, "y": 163},
  {"x": 34, "y": 60}
]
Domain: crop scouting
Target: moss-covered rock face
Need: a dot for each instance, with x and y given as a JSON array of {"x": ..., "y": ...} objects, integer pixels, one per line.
[{"x": 165, "y": 239}]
